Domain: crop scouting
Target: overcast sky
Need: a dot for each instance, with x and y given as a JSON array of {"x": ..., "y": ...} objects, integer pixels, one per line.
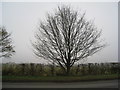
[{"x": 22, "y": 19}]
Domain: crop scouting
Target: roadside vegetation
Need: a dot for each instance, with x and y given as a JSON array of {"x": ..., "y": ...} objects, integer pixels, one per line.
[{"x": 41, "y": 72}]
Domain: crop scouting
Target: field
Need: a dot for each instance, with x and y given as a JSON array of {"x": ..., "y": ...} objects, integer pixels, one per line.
[
  {"x": 58, "y": 78},
  {"x": 44, "y": 73}
]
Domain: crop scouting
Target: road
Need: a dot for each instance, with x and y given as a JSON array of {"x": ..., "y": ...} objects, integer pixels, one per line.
[{"x": 90, "y": 84}]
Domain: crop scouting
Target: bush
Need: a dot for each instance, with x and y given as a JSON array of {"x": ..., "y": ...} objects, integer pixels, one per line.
[{"x": 50, "y": 70}]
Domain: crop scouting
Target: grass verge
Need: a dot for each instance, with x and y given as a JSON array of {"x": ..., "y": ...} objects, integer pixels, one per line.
[{"x": 58, "y": 78}]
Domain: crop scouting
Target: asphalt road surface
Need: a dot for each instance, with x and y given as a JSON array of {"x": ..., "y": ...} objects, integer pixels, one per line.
[{"x": 90, "y": 84}]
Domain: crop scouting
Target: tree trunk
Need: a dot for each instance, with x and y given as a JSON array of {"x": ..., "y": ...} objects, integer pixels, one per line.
[
  {"x": 23, "y": 69},
  {"x": 68, "y": 71}
]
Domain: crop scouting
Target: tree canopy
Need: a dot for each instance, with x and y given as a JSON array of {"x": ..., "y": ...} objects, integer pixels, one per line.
[{"x": 6, "y": 47}]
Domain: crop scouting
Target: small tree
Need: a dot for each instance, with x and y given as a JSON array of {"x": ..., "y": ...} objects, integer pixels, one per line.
[
  {"x": 6, "y": 48},
  {"x": 66, "y": 37}
]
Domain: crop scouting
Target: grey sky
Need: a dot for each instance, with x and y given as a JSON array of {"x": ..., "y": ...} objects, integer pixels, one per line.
[{"x": 21, "y": 19}]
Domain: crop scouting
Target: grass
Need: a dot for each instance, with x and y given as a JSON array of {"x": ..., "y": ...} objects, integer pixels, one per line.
[{"x": 57, "y": 78}]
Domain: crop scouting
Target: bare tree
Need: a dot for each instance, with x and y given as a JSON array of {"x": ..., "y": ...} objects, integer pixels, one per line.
[
  {"x": 6, "y": 48},
  {"x": 66, "y": 37}
]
